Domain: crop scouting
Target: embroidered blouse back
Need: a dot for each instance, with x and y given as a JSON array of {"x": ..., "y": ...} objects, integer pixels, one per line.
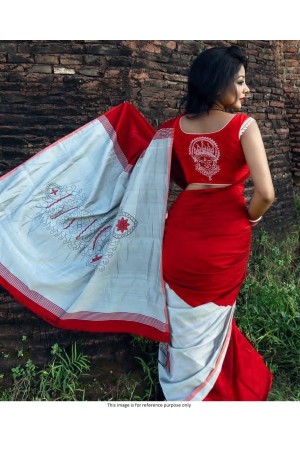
[{"x": 213, "y": 159}]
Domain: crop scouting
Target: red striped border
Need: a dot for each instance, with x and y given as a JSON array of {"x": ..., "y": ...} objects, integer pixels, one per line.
[
  {"x": 96, "y": 322},
  {"x": 114, "y": 138}
]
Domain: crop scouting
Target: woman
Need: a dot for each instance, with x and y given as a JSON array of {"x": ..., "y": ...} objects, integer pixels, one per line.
[
  {"x": 82, "y": 247},
  {"x": 208, "y": 233}
]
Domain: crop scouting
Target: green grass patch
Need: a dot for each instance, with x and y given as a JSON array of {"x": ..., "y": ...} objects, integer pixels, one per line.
[
  {"x": 268, "y": 310},
  {"x": 57, "y": 380}
]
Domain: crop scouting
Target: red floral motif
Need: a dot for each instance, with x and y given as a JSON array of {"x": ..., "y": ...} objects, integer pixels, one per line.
[
  {"x": 54, "y": 191},
  {"x": 122, "y": 225},
  {"x": 96, "y": 258}
]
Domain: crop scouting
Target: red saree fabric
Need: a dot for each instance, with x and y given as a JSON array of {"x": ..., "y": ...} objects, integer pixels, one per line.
[
  {"x": 206, "y": 249},
  {"x": 244, "y": 375},
  {"x": 206, "y": 245}
]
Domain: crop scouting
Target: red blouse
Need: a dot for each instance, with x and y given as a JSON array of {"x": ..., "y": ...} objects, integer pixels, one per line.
[{"x": 210, "y": 158}]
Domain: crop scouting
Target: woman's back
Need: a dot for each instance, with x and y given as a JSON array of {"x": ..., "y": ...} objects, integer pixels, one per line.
[
  {"x": 206, "y": 123},
  {"x": 207, "y": 150}
]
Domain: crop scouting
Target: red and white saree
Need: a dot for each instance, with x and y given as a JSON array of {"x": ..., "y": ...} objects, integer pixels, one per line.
[{"x": 82, "y": 227}]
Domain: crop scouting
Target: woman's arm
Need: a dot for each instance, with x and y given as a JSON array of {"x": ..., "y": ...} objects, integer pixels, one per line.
[{"x": 255, "y": 154}]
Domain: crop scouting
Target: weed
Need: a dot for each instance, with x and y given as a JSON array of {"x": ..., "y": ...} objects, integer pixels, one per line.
[
  {"x": 147, "y": 357},
  {"x": 58, "y": 380},
  {"x": 125, "y": 389}
]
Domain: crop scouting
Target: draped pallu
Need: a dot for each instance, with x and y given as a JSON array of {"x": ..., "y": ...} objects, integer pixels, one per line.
[
  {"x": 84, "y": 245},
  {"x": 82, "y": 225}
]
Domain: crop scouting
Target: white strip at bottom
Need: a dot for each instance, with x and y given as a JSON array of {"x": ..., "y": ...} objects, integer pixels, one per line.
[{"x": 190, "y": 365}]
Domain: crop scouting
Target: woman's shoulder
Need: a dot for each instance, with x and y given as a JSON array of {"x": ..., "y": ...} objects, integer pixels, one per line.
[{"x": 242, "y": 122}]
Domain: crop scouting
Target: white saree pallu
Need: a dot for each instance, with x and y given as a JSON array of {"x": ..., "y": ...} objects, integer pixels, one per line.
[
  {"x": 82, "y": 225},
  {"x": 190, "y": 364}
]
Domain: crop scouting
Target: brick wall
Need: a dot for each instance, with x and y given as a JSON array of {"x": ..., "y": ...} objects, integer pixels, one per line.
[
  {"x": 50, "y": 88},
  {"x": 288, "y": 66}
]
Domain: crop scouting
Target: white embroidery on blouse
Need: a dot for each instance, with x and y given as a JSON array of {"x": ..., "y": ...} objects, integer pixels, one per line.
[
  {"x": 205, "y": 154},
  {"x": 245, "y": 125}
]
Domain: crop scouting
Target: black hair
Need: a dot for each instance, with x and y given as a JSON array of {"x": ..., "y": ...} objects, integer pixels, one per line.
[{"x": 211, "y": 73}]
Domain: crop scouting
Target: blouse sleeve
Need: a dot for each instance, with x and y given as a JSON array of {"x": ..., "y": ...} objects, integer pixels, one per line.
[{"x": 248, "y": 120}]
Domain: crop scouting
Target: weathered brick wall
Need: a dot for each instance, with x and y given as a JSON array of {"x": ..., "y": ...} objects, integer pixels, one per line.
[
  {"x": 288, "y": 66},
  {"x": 50, "y": 88}
]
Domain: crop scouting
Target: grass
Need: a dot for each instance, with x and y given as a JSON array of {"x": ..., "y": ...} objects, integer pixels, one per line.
[
  {"x": 268, "y": 311},
  {"x": 138, "y": 383},
  {"x": 57, "y": 380}
]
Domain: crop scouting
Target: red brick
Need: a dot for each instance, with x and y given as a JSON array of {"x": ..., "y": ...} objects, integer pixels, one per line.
[{"x": 151, "y": 48}]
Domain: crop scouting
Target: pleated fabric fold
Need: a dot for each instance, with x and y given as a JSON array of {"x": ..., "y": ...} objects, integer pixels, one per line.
[{"x": 190, "y": 365}]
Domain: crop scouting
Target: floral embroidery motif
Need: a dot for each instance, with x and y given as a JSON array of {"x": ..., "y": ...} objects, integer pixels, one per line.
[
  {"x": 122, "y": 225},
  {"x": 64, "y": 214},
  {"x": 125, "y": 224},
  {"x": 205, "y": 154}
]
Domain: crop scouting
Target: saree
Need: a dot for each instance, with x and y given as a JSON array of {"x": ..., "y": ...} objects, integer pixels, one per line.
[
  {"x": 205, "y": 254},
  {"x": 85, "y": 246}
]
